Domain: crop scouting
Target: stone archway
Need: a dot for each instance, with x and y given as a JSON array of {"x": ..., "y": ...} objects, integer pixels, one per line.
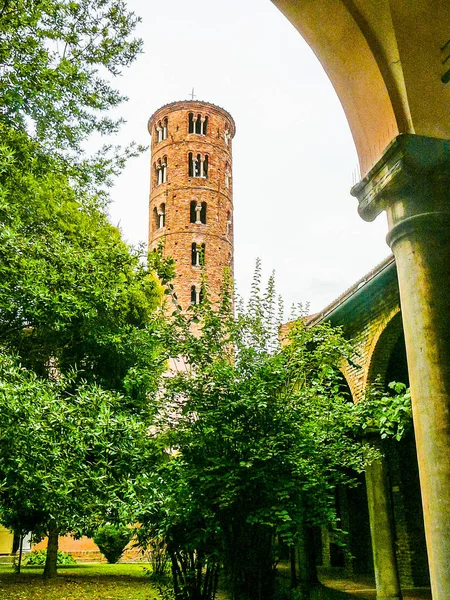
[
  {"x": 389, "y": 63},
  {"x": 382, "y": 347}
]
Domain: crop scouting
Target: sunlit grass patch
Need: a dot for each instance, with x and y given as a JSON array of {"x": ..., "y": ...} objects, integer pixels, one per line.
[{"x": 78, "y": 582}]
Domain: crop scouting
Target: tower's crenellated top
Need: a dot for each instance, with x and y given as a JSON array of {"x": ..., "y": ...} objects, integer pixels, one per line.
[{"x": 191, "y": 199}]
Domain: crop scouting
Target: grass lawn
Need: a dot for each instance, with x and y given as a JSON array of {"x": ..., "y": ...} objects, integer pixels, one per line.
[{"x": 78, "y": 582}]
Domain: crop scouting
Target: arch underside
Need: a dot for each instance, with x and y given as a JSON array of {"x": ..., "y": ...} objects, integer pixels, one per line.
[{"x": 386, "y": 60}]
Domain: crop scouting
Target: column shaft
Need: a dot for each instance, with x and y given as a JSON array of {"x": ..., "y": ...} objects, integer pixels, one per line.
[
  {"x": 422, "y": 252},
  {"x": 412, "y": 183},
  {"x": 381, "y": 531}
]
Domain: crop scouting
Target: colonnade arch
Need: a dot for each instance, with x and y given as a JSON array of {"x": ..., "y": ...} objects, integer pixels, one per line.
[{"x": 388, "y": 62}]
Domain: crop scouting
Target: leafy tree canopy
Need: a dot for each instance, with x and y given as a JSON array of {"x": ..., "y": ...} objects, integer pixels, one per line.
[
  {"x": 56, "y": 58},
  {"x": 260, "y": 436},
  {"x": 69, "y": 460},
  {"x": 73, "y": 295}
]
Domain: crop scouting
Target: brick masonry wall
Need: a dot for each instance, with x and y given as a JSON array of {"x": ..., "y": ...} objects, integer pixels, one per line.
[
  {"x": 370, "y": 315},
  {"x": 180, "y": 189},
  {"x": 371, "y": 318}
]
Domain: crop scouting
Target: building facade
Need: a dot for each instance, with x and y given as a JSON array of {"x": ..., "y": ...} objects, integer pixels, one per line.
[{"x": 191, "y": 195}]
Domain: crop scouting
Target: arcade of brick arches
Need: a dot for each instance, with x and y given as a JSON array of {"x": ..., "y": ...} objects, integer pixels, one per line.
[{"x": 389, "y": 62}]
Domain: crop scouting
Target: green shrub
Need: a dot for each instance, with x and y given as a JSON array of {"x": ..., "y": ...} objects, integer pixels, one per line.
[
  {"x": 112, "y": 541},
  {"x": 37, "y": 559}
]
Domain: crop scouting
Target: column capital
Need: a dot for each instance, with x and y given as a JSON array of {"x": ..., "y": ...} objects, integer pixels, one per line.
[{"x": 411, "y": 164}]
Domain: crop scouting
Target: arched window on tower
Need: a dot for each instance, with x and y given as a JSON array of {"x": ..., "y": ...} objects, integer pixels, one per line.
[
  {"x": 196, "y": 295},
  {"x": 162, "y": 216},
  {"x": 229, "y": 224},
  {"x": 195, "y": 256},
  {"x": 161, "y": 130},
  {"x": 197, "y": 123},
  {"x": 227, "y": 175},
  {"x": 198, "y": 212},
  {"x": 198, "y": 254},
  {"x": 155, "y": 218},
  {"x": 197, "y": 165},
  {"x": 161, "y": 170}
]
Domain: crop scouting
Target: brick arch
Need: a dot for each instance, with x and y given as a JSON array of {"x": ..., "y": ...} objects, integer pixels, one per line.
[
  {"x": 383, "y": 344},
  {"x": 352, "y": 384}
]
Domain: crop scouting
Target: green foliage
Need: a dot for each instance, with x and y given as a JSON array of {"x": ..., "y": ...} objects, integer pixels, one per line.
[
  {"x": 112, "y": 541},
  {"x": 55, "y": 60},
  {"x": 389, "y": 413},
  {"x": 77, "y": 305},
  {"x": 73, "y": 295},
  {"x": 38, "y": 558},
  {"x": 69, "y": 458},
  {"x": 256, "y": 438}
]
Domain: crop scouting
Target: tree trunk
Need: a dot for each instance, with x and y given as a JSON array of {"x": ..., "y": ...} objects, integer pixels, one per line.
[
  {"x": 293, "y": 563},
  {"x": 52, "y": 554},
  {"x": 20, "y": 554},
  {"x": 307, "y": 562}
]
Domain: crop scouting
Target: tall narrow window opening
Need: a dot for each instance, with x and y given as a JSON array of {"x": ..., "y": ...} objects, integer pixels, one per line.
[
  {"x": 161, "y": 130},
  {"x": 229, "y": 224},
  {"x": 197, "y": 124},
  {"x": 203, "y": 213},
  {"x": 162, "y": 216},
  {"x": 161, "y": 170},
  {"x": 197, "y": 165},
  {"x": 198, "y": 212},
  {"x": 196, "y": 295},
  {"x": 195, "y": 255},
  {"x": 198, "y": 254},
  {"x": 192, "y": 213}
]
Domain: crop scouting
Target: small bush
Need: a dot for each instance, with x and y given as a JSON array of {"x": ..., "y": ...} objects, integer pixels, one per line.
[
  {"x": 38, "y": 557},
  {"x": 112, "y": 541}
]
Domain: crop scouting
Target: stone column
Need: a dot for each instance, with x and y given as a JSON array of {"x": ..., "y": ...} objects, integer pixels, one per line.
[
  {"x": 411, "y": 182},
  {"x": 381, "y": 531}
]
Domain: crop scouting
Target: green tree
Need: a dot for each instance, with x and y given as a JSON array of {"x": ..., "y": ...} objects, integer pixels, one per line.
[
  {"x": 70, "y": 460},
  {"x": 55, "y": 60},
  {"x": 259, "y": 435},
  {"x": 112, "y": 541},
  {"x": 76, "y": 303},
  {"x": 73, "y": 295},
  {"x": 80, "y": 308}
]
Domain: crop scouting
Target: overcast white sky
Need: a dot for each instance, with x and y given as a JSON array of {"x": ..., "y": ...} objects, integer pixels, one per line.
[{"x": 293, "y": 154}]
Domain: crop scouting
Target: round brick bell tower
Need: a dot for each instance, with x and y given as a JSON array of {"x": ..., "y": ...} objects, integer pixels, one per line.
[{"x": 191, "y": 201}]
